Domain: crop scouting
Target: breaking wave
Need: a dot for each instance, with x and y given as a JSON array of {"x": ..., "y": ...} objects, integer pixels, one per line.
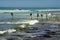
[
  {"x": 19, "y": 10},
  {"x": 49, "y": 10},
  {"x": 31, "y": 22},
  {"x": 16, "y": 10}
]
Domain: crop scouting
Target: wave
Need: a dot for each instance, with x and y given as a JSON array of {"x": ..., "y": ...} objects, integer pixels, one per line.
[
  {"x": 16, "y": 10},
  {"x": 49, "y": 10},
  {"x": 30, "y": 22},
  {"x": 8, "y": 31},
  {"x": 19, "y": 10}
]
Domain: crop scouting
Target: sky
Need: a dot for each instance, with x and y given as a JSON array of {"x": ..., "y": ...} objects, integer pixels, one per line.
[{"x": 29, "y": 3}]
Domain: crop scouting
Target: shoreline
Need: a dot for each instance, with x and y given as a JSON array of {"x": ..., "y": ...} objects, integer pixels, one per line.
[{"x": 29, "y": 21}]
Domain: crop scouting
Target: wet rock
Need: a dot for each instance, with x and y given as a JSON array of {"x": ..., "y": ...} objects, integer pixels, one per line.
[
  {"x": 47, "y": 36},
  {"x": 50, "y": 32}
]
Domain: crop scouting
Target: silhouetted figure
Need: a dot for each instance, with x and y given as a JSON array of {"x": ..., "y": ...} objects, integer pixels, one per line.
[
  {"x": 41, "y": 16},
  {"x": 12, "y": 15},
  {"x": 31, "y": 15},
  {"x": 37, "y": 16}
]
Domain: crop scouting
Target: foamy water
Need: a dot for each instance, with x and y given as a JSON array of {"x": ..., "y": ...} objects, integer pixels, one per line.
[
  {"x": 31, "y": 22},
  {"x": 15, "y": 10},
  {"x": 22, "y": 17},
  {"x": 50, "y": 10}
]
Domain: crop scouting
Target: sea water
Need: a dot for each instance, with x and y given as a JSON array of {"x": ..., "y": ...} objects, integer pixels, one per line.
[
  {"x": 22, "y": 15},
  {"x": 18, "y": 15}
]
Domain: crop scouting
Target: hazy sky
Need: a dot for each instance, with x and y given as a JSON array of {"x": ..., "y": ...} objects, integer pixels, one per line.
[{"x": 29, "y": 3}]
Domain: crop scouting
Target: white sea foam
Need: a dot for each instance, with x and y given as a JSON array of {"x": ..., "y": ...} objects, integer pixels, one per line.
[
  {"x": 31, "y": 22},
  {"x": 2, "y": 32},
  {"x": 8, "y": 31},
  {"x": 17, "y": 10},
  {"x": 49, "y": 10}
]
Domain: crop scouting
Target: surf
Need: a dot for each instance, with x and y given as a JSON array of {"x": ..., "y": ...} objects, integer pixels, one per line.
[{"x": 16, "y": 10}]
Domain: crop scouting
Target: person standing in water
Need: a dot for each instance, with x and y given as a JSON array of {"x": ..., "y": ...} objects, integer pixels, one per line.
[
  {"x": 31, "y": 15},
  {"x": 41, "y": 16},
  {"x": 12, "y": 15},
  {"x": 37, "y": 16}
]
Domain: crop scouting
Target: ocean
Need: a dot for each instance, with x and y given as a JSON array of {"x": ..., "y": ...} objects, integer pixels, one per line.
[
  {"x": 12, "y": 17},
  {"x": 22, "y": 14}
]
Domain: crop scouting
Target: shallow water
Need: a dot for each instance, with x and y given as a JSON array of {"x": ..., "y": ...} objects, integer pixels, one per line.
[
  {"x": 38, "y": 26},
  {"x": 7, "y": 26},
  {"x": 22, "y": 16}
]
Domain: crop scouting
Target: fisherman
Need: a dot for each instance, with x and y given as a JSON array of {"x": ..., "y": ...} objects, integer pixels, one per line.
[
  {"x": 41, "y": 16},
  {"x": 31, "y": 15},
  {"x": 37, "y": 16},
  {"x": 11, "y": 13}
]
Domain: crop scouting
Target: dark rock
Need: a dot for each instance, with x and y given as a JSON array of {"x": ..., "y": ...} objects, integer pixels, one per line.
[{"x": 47, "y": 36}]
